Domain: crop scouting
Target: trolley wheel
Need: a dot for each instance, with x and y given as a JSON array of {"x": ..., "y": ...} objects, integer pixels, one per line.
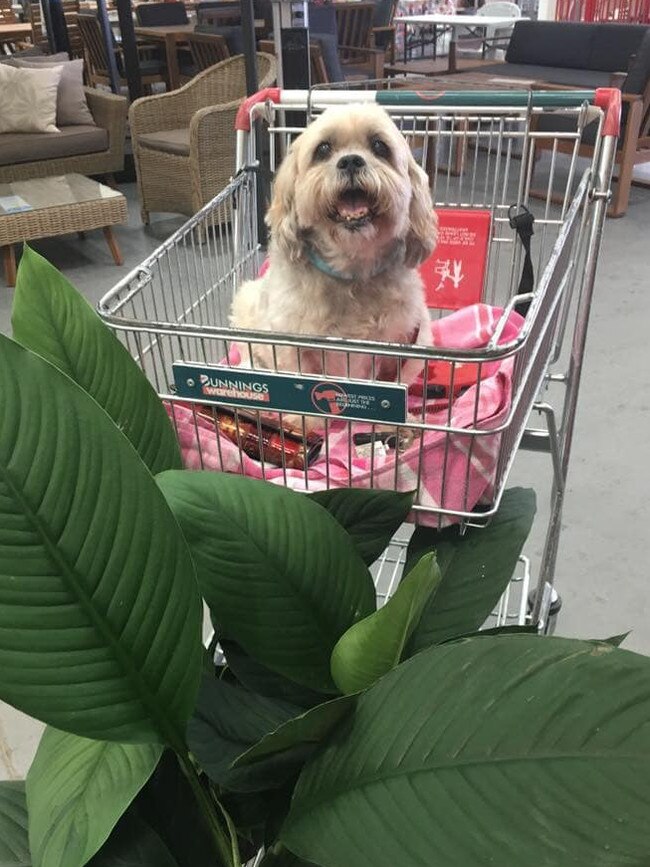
[{"x": 550, "y": 609}]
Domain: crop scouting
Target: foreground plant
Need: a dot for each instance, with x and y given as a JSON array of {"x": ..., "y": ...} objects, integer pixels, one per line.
[{"x": 329, "y": 733}]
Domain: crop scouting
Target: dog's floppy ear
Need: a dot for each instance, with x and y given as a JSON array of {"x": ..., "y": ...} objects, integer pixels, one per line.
[
  {"x": 281, "y": 217},
  {"x": 423, "y": 228}
]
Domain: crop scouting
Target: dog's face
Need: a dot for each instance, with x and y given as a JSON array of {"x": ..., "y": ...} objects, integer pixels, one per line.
[{"x": 350, "y": 187}]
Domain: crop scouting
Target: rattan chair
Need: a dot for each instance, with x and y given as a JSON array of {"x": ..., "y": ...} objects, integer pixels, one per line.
[
  {"x": 96, "y": 59},
  {"x": 184, "y": 141}
]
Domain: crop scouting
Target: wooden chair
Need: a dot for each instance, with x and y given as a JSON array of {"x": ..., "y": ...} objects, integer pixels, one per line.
[
  {"x": 96, "y": 59},
  {"x": 223, "y": 13},
  {"x": 383, "y": 29},
  {"x": 35, "y": 18},
  {"x": 160, "y": 14},
  {"x": 358, "y": 61},
  {"x": 207, "y": 49}
]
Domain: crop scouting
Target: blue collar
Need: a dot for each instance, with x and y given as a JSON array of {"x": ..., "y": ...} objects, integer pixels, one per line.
[{"x": 320, "y": 263}]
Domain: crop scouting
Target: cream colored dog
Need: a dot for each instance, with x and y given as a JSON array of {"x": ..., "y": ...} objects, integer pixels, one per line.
[{"x": 351, "y": 219}]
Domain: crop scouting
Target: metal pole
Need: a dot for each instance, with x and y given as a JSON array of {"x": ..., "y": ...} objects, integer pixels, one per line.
[
  {"x": 129, "y": 49},
  {"x": 250, "y": 45},
  {"x": 57, "y": 29},
  {"x": 107, "y": 33}
]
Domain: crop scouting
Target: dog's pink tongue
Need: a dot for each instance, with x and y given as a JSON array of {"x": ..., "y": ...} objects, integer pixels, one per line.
[{"x": 353, "y": 206}]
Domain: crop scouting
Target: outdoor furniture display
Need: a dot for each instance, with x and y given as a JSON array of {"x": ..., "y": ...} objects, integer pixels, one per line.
[
  {"x": 455, "y": 23},
  {"x": 12, "y": 34},
  {"x": 343, "y": 61},
  {"x": 170, "y": 37},
  {"x": 160, "y": 14},
  {"x": 567, "y": 54},
  {"x": 207, "y": 49},
  {"x": 45, "y": 207},
  {"x": 88, "y": 150},
  {"x": 184, "y": 141},
  {"x": 94, "y": 50},
  {"x": 496, "y": 38}
]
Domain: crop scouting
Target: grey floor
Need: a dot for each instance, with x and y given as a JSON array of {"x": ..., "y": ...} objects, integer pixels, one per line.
[{"x": 602, "y": 572}]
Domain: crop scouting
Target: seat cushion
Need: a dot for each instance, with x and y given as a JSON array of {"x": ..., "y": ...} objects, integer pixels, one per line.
[
  {"x": 599, "y": 47},
  {"x": 70, "y": 141},
  {"x": 552, "y": 74},
  {"x": 169, "y": 141}
]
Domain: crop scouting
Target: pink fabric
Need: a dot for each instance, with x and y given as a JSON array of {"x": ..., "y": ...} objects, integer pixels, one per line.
[{"x": 465, "y": 463}]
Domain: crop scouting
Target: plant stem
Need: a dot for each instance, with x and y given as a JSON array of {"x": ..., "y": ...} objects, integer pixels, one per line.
[{"x": 207, "y": 808}]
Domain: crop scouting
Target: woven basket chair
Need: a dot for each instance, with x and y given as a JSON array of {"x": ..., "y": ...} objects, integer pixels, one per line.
[{"x": 184, "y": 141}]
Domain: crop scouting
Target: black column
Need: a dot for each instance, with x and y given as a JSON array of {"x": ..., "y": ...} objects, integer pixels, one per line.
[
  {"x": 57, "y": 29},
  {"x": 250, "y": 45},
  {"x": 129, "y": 49},
  {"x": 105, "y": 25}
]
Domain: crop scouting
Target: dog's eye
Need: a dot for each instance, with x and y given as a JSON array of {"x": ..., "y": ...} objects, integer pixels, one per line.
[
  {"x": 323, "y": 150},
  {"x": 380, "y": 149}
]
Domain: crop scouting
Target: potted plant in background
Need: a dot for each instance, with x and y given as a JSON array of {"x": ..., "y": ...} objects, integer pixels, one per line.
[{"x": 332, "y": 733}]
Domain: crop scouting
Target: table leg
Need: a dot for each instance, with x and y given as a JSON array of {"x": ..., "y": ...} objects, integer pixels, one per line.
[
  {"x": 112, "y": 245},
  {"x": 173, "y": 71},
  {"x": 451, "y": 63},
  {"x": 9, "y": 261}
]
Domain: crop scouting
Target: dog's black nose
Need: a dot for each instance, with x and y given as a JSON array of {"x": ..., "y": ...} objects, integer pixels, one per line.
[{"x": 351, "y": 163}]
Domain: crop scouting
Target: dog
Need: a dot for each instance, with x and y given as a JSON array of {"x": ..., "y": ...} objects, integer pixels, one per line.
[{"x": 351, "y": 218}]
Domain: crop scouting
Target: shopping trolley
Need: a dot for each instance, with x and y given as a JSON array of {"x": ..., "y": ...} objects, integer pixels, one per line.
[{"x": 480, "y": 151}]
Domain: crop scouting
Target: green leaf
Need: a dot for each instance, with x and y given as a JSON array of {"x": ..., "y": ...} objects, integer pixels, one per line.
[
  {"x": 370, "y": 517},
  {"x": 375, "y": 645},
  {"x": 279, "y": 856},
  {"x": 168, "y": 805},
  {"x": 133, "y": 843},
  {"x": 308, "y": 729},
  {"x": 614, "y": 640},
  {"x": 281, "y": 575},
  {"x": 227, "y": 720},
  {"x": 256, "y": 677},
  {"x": 521, "y": 751},
  {"x": 497, "y": 630},
  {"x": 100, "y": 614},
  {"x": 476, "y": 569},
  {"x": 77, "y": 789},
  {"x": 14, "y": 844},
  {"x": 52, "y": 319}
]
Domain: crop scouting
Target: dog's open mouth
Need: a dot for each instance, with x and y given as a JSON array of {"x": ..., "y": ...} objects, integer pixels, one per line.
[{"x": 353, "y": 209}]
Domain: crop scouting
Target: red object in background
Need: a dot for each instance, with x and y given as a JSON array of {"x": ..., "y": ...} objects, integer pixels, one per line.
[{"x": 455, "y": 272}]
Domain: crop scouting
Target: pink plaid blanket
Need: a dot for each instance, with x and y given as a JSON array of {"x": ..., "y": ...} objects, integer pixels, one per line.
[{"x": 450, "y": 471}]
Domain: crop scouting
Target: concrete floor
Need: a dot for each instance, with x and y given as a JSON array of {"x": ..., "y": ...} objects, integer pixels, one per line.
[{"x": 602, "y": 572}]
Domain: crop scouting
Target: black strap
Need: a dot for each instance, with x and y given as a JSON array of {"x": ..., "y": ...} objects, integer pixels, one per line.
[{"x": 523, "y": 223}]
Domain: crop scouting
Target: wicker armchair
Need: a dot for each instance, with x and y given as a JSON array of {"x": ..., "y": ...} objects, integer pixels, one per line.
[
  {"x": 184, "y": 141},
  {"x": 109, "y": 113}
]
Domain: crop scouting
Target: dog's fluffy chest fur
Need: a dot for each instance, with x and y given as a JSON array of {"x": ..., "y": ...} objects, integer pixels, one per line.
[{"x": 387, "y": 307}]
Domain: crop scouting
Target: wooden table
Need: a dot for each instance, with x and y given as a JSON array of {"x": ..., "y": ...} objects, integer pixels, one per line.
[
  {"x": 473, "y": 80},
  {"x": 15, "y": 32},
  {"x": 455, "y": 23},
  {"x": 170, "y": 36},
  {"x": 46, "y": 207}
]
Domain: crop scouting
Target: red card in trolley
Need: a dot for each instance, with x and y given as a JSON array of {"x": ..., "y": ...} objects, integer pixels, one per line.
[{"x": 454, "y": 274}]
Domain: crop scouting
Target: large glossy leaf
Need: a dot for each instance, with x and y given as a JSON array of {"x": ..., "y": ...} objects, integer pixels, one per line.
[
  {"x": 375, "y": 645},
  {"x": 228, "y": 720},
  {"x": 370, "y": 517},
  {"x": 308, "y": 729},
  {"x": 100, "y": 614},
  {"x": 258, "y": 678},
  {"x": 168, "y": 805},
  {"x": 133, "y": 843},
  {"x": 51, "y": 318},
  {"x": 14, "y": 843},
  {"x": 476, "y": 569},
  {"x": 77, "y": 789},
  {"x": 279, "y": 856},
  {"x": 514, "y": 750},
  {"x": 282, "y": 577}
]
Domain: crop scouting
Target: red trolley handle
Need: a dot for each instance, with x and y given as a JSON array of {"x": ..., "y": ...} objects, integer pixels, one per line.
[
  {"x": 243, "y": 118},
  {"x": 609, "y": 100}
]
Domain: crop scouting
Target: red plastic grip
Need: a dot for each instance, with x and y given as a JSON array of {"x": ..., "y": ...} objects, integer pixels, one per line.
[
  {"x": 243, "y": 118},
  {"x": 609, "y": 99}
]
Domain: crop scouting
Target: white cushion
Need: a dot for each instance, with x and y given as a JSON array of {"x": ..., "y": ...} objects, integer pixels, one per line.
[
  {"x": 71, "y": 105},
  {"x": 28, "y": 99}
]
